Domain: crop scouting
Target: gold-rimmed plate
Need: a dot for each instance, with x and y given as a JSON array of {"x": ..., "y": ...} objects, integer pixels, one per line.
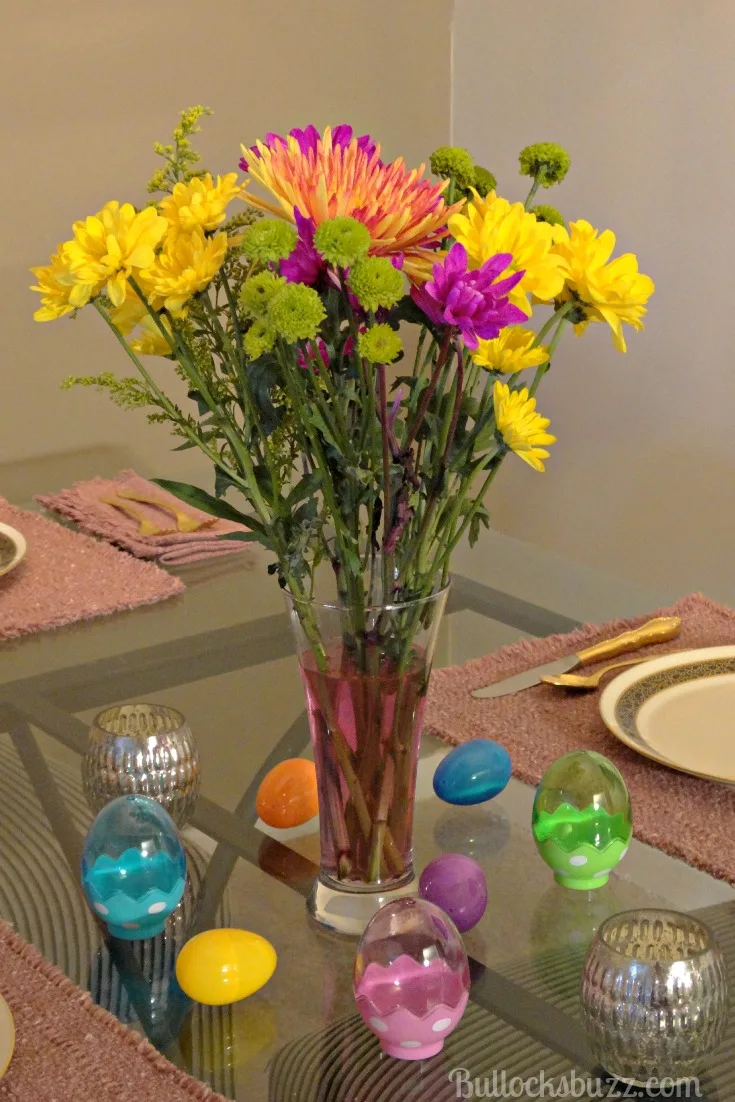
[
  {"x": 679, "y": 710},
  {"x": 7, "y": 1036},
  {"x": 12, "y": 548}
]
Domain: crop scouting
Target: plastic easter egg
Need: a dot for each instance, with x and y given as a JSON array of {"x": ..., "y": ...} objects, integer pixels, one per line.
[
  {"x": 582, "y": 820},
  {"x": 473, "y": 773},
  {"x": 457, "y": 884},
  {"x": 412, "y": 978},
  {"x": 133, "y": 867},
  {"x": 287, "y": 796},
  {"x": 224, "y": 966}
]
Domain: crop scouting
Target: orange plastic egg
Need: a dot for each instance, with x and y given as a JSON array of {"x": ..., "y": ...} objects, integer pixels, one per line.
[{"x": 287, "y": 796}]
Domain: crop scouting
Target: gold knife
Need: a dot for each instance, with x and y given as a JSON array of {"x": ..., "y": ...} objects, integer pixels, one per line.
[{"x": 659, "y": 630}]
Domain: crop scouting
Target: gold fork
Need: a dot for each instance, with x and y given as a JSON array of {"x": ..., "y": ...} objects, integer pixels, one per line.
[
  {"x": 589, "y": 680},
  {"x": 184, "y": 522},
  {"x": 146, "y": 527}
]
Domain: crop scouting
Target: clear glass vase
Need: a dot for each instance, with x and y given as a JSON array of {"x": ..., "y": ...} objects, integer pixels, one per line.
[{"x": 365, "y": 670}]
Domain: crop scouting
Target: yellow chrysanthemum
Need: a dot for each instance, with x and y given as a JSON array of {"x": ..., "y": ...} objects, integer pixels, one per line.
[
  {"x": 511, "y": 351},
  {"x": 493, "y": 225},
  {"x": 151, "y": 341},
  {"x": 522, "y": 428},
  {"x": 200, "y": 202},
  {"x": 187, "y": 264},
  {"x": 112, "y": 245},
  {"x": 613, "y": 292},
  {"x": 60, "y": 291}
]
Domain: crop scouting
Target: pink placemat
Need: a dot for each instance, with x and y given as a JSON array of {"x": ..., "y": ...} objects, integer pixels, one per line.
[
  {"x": 68, "y": 1049},
  {"x": 67, "y": 576},
  {"x": 686, "y": 817}
]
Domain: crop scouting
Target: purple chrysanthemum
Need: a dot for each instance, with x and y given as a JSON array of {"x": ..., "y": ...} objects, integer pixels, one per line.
[
  {"x": 304, "y": 264},
  {"x": 308, "y": 138},
  {"x": 470, "y": 301}
]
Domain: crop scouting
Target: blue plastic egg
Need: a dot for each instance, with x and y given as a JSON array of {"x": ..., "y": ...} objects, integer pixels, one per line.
[
  {"x": 133, "y": 867},
  {"x": 473, "y": 773}
]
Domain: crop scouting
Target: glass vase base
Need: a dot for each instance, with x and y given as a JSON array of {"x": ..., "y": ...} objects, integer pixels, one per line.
[{"x": 348, "y": 910}]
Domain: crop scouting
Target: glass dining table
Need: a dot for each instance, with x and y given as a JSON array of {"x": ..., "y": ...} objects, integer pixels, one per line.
[{"x": 221, "y": 654}]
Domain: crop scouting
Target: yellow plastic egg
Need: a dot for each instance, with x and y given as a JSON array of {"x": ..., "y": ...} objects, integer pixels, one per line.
[{"x": 224, "y": 966}]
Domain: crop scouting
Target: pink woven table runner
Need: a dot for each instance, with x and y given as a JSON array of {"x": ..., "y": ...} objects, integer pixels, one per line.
[
  {"x": 67, "y": 1049},
  {"x": 67, "y": 576},
  {"x": 686, "y": 817}
]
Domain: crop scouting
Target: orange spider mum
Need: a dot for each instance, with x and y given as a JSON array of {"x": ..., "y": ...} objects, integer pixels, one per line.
[{"x": 404, "y": 213}]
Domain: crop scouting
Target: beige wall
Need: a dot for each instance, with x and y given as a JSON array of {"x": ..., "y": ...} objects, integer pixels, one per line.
[
  {"x": 642, "y": 481},
  {"x": 87, "y": 87}
]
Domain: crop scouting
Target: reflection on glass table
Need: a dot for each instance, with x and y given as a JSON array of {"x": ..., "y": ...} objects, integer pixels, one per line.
[{"x": 222, "y": 656}]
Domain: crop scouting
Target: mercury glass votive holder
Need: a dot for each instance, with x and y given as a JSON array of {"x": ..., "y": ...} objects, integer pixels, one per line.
[
  {"x": 142, "y": 750},
  {"x": 654, "y": 996}
]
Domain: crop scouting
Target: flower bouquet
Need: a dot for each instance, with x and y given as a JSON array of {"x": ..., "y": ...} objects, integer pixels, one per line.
[{"x": 361, "y": 348}]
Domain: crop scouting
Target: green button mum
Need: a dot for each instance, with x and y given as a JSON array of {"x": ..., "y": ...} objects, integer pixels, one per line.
[
  {"x": 269, "y": 240},
  {"x": 547, "y": 162},
  {"x": 257, "y": 292},
  {"x": 342, "y": 241},
  {"x": 484, "y": 181},
  {"x": 296, "y": 313},
  {"x": 259, "y": 338},
  {"x": 380, "y": 345},
  {"x": 454, "y": 161},
  {"x": 376, "y": 282},
  {"x": 546, "y": 213}
]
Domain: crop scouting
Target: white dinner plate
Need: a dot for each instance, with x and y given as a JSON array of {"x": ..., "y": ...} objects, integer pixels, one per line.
[
  {"x": 679, "y": 710},
  {"x": 12, "y": 548}
]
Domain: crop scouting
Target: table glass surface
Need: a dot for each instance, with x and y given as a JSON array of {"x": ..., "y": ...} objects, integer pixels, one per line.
[{"x": 222, "y": 655}]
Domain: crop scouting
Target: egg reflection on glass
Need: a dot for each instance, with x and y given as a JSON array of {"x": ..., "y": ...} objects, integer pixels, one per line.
[
  {"x": 582, "y": 820},
  {"x": 287, "y": 796},
  {"x": 223, "y": 966},
  {"x": 133, "y": 867}
]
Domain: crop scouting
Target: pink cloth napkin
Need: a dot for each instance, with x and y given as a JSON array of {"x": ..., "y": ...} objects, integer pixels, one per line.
[{"x": 81, "y": 503}]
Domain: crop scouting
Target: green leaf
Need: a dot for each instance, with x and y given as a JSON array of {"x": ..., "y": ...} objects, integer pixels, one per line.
[
  {"x": 262, "y": 374},
  {"x": 407, "y": 310},
  {"x": 200, "y": 499},
  {"x": 306, "y": 487},
  {"x": 319, "y": 423},
  {"x": 253, "y": 536},
  {"x": 222, "y": 483}
]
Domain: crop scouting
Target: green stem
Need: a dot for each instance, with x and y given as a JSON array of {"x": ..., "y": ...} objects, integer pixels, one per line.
[
  {"x": 387, "y": 502},
  {"x": 428, "y": 392},
  {"x": 532, "y": 193},
  {"x": 543, "y": 368}
]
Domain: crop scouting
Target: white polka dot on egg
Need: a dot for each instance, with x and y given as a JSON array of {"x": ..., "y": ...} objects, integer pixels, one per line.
[
  {"x": 441, "y": 1025},
  {"x": 410, "y": 1044},
  {"x": 156, "y": 908},
  {"x": 577, "y": 861},
  {"x": 376, "y": 1023},
  {"x": 101, "y": 909}
]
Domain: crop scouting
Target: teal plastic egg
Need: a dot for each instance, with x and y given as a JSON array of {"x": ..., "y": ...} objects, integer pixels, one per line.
[{"x": 133, "y": 867}]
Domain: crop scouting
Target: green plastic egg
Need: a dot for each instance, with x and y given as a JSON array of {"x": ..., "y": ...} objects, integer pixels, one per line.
[{"x": 582, "y": 820}]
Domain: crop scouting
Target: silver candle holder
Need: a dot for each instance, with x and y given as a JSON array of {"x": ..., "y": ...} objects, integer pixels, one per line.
[
  {"x": 146, "y": 750},
  {"x": 654, "y": 995}
]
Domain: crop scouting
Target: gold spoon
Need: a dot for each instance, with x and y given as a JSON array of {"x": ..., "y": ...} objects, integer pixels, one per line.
[
  {"x": 589, "y": 680},
  {"x": 184, "y": 522}
]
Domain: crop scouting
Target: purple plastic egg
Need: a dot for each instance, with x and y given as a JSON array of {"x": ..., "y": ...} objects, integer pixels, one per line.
[{"x": 457, "y": 884}]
